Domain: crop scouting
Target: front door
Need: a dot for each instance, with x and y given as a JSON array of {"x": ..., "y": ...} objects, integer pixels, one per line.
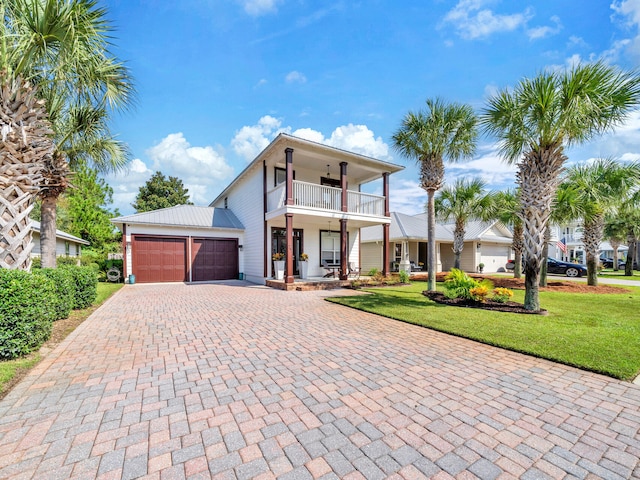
[{"x": 279, "y": 244}]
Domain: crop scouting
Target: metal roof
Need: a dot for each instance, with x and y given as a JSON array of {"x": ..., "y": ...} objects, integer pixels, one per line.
[
  {"x": 414, "y": 227},
  {"x": 35, "y": 226},
  {"x": 185, "y": 216}
]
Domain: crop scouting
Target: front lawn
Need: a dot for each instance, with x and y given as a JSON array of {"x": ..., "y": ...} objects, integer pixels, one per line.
[
  {"x": 11, "y": 371},
  {"x": 600, "y": 333},
  {"x": 610, "y": 273}
]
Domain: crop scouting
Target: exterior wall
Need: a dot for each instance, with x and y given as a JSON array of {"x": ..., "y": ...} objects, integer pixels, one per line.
[
  {"x": 370, "y": 257},
  {"x": 246, "y": 202},
  {"x": 75, "y": 249},
  {"x": 311, "y": 242},
  {"x": 133, "y": 229}
]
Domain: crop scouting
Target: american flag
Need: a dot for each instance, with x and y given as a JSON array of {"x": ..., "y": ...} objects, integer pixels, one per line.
[{"x": 562, "y": 245}]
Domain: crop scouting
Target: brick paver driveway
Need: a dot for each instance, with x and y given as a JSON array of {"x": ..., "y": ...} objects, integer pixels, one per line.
[{"x": 175, "y": 381}]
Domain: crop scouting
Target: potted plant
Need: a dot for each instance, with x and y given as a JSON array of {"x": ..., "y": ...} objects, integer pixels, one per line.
[
  {"x": 480, "y": 267},
  {"x": 278, "y": 265},
  {"x": 304, "y": 265}
]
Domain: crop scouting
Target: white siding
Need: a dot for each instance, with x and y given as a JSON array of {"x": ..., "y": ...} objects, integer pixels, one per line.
[
  {"x": 245, "y": 200},
  {"x": 371, "y": 255}
]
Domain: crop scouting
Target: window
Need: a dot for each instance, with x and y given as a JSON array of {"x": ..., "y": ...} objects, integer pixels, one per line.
[
  {"x": 66, "y": 248},
  {"x": 280, "y": 176},
  {"x": 330, "y": 247}
]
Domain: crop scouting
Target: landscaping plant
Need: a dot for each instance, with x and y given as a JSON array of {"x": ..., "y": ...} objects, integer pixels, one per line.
[{"x": 457, "y": 284}]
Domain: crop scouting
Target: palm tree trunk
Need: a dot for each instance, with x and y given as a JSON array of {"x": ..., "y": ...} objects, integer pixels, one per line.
[
  {"x": 615, "y": 244},
  {"x": 593, "y": 231},
  {"x": 48, "y": 231},
  {"x": 545, "y": 256},
  {"x": 24, "y": 148},
  {"x": 431, "y": 241},
  {"x": 518, "y": 247},
  {"x": 538, "y": 177},
  {"x": 458, "y": 243},
  {"x": 628, "y": 268}
]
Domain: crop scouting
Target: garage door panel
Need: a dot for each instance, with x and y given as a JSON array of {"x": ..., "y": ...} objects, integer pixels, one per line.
[
  {"x": 159, "y": 259},
  {"x": 214, "y": 259}
]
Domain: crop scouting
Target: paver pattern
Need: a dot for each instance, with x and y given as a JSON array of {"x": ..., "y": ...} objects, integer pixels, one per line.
[{"x": 225, "y": 381}]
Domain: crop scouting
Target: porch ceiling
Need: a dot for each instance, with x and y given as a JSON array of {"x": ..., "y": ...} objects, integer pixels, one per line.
[{"x": 324, "y": 217}]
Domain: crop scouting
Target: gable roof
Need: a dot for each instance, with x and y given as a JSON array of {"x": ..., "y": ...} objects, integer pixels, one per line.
[
  {"x": 414, "y": 227},
  {"x": 284, "y": 140},
  {"x": 35, "y": 226},
  {"x": 185, "y": 216}
]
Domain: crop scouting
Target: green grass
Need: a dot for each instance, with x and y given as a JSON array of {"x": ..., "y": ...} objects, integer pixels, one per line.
[
  {"x": 10, "y": 368},
  {"x": 600, "y": 333},
  {"x": 610, "y": 273}
]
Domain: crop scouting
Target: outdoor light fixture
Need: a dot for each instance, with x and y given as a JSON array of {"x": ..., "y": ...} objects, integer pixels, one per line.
[
  {"x": 239, "y": 247},
  {"x": 328, "y": 172},
  {"x": 479, "y": 246}
]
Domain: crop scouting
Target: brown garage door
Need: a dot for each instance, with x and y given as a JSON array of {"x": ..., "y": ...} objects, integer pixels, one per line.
[
  {"x": 214, "y": 259},
  {"x": 159, "y": 259}
]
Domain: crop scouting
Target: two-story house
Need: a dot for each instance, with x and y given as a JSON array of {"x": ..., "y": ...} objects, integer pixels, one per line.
[{"x": 295, "y": 197}]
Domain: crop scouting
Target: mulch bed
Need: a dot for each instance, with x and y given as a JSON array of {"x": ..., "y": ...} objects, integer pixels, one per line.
[
  {"x": 511, "y": 307},
  {"x": 518, "y": 284}
]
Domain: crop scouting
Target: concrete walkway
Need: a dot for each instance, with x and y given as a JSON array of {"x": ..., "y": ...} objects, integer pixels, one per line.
[{"x": 223, "y": 381}]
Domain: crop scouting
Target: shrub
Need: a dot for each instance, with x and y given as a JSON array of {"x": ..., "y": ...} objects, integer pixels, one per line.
[
  {"x": 25, "y": 312},
  {"x": 457, "y": 284},
  {"x": 85, "y": 281},
  {"x": 373, "y": 272},
  {"x": 404, "y": 276},
  {"x": 501, "y": 295},
  {"x": 64, "y": 261},
  {"x": 479, "y": 293},
  {"x": 65, "y": 289}
]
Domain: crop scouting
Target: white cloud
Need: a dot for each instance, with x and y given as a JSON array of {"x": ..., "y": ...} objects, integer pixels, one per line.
[
  {"x": 295, "y": 77},
  {"x": 489, "y": 167},
  {"x": 545, "y": 31},
  {"x": 406, "y": 196},
  {"x": 630, "y": 11},
  {"x": 203, "y": 170},
  {"x": 250, "y": 140},
  {"x": 471, "y": 20},
  {"x": 255, "y": 8},
  {"x": 261, "y": 82}
]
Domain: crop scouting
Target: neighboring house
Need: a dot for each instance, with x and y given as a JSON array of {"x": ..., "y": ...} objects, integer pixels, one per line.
[
  {"x": 66, "y": 244},
  {"x": 571, "y": 235},
  {"x": 296, "y": 196},
  {"x": 485, "y": 242}
]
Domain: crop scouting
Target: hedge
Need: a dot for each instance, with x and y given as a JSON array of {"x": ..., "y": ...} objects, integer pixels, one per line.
[
  {"x": 85, "y": 281},
  {"x": 26, "y": 315},
  {"x": 65, "y": 287}
]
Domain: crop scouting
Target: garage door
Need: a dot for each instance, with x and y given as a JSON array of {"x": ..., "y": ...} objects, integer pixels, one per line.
[
  {"x": 494, "y": 256},
  {"x": 214, "y": 259},
  {"x": 159, "y": 259}
]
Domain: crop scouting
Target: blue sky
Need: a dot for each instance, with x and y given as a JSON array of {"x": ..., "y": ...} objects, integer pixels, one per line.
[{"x": 218, "y": 79}]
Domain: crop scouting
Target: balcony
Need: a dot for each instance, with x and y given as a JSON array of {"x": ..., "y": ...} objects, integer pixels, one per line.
[{"x": 323, "y": 198}]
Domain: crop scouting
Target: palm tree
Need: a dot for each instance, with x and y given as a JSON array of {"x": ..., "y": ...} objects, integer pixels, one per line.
[
  {"x": 534, "y": 123},
  {"x": 505, "y": 207},
  {"x": 599, "y": 188},
  {"x": 442, "y": 131},
  {"x": 616, "y": 234},
  {"x": 61, "y": 47},
  {"x": 24, "y": 150},
  {"x": 465, "y": 200}
]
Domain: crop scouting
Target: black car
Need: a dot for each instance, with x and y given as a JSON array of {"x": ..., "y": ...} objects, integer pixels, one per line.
[
  {"x": 557, "y": 266},
  {"x": 565, "y": 268},
  {"x": 608, "y": 262}
]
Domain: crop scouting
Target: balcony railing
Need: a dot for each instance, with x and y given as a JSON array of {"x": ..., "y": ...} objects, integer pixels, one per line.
[{"x": 326, "y": 198}]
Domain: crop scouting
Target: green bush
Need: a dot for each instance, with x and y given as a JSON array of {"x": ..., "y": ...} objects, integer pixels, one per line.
[
  {"x": 36, "y": 262},
  {"x": 65, "y": 290},
  {"x": 25, "y": 312},
  {"x": 63, "y": 261},
  {"x": 404, "y": 276},
  {"x": 457, "y": 284},
  {"x": 85, "y": 281}
]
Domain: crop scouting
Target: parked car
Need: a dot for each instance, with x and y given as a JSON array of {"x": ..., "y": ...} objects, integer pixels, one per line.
[
  {"x": 608, "y": 262},
  {"x": 565, "y": 268},
  {"x": 559, "y": 267}
]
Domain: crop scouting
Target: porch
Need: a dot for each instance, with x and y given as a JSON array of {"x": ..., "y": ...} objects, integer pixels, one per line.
[{"x": 311, "y": 283}]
